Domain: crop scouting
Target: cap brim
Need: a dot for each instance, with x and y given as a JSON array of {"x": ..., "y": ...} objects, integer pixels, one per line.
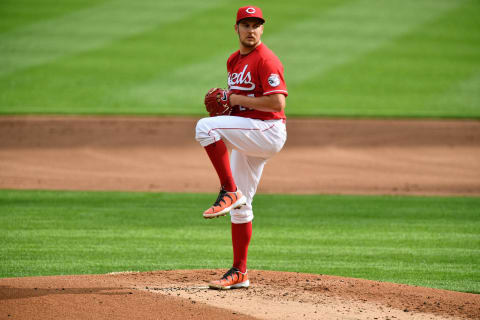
[{"x": 258, "y": 18}]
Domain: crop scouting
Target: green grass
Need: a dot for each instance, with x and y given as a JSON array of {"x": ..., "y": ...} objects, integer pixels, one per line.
[
  {"x": 353, "y": 58},
  {"x": 426, "y": 241}
]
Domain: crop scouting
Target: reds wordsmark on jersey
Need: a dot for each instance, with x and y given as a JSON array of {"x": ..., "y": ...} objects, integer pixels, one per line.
[{"x": 256, "y": 74}]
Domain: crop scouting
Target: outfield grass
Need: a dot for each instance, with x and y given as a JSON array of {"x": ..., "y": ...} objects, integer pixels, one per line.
[
  {"x": 426, "y": 241},
  {"x": 410, "y": 58}
]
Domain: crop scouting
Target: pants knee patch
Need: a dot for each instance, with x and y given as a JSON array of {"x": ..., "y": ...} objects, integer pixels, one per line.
[{"x": 241, "y": 216}]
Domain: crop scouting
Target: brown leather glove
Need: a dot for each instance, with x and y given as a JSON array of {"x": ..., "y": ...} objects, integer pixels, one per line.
[{"x": 217, "y": 102}]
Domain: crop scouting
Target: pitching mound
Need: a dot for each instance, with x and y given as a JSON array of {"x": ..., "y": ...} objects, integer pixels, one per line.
[{"x": 184, "y": 295}]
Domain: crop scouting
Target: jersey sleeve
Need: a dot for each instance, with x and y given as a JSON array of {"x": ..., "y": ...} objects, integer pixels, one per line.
[{"x": 272, "y": 78}]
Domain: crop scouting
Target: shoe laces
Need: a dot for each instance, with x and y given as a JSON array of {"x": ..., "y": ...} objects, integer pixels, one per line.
[
  {"x": 230, "y": 273},
  {"x": 220, "y": 197}
]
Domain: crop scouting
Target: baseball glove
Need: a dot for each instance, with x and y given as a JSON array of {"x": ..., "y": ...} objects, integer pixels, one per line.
[{"x": 217, "y": 102}]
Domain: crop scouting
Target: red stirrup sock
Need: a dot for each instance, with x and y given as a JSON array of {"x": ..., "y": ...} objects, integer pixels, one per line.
[
  {"x": 241, "y": 235},
  {"x": 218, "y": 154}
]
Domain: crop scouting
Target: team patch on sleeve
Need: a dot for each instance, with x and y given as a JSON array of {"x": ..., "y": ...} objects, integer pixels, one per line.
[{"x": 274, "y": 80}]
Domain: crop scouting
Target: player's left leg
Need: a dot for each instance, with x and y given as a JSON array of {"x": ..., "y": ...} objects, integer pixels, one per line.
[
  {"x": 229, "y": 196},
  {"x": 253, "y": 137}
]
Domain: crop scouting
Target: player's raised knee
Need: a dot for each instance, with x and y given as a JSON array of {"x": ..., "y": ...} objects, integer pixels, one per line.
[{"x": 202, "y": 132}]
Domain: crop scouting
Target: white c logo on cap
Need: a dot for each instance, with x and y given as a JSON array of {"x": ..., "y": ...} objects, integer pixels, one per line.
[{"x": 250, "y": 10}]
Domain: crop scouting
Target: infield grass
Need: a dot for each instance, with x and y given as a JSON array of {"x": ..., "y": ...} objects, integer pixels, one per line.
[
  {"x": 425, "y": 241},
  {"x": 354, "y": 58}
]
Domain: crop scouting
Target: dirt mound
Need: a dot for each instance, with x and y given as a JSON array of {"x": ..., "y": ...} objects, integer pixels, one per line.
[{"x": 184, "y": 295}]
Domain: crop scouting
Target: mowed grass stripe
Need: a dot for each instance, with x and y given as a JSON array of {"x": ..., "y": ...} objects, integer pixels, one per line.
[
  {"x": 89, "y": 81},
  {"x": 179, "y": 89},
  {"x": 308, "y": 48},
  {"x": 349, "y": 58},
  {"x": 165, "y": 69},
  {"x": 417, "y": 72},
  {"x": 462, "y": 95},
  {"x": 88, "y": 29},
  {"x": 20, "y": 13},
  {"x": 427, "y": 241},
  {"x": 345, "y": 33}
]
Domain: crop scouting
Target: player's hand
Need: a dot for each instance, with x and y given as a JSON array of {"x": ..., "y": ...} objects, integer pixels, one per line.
[{"x": 217, "y": 102}]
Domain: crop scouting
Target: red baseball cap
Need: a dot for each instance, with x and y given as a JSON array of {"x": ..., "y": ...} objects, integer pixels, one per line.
[{"x": 249, "y": 12}]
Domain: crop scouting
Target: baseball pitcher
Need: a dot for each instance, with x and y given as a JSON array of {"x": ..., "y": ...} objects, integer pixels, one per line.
[{"x": 248, "y": 118}]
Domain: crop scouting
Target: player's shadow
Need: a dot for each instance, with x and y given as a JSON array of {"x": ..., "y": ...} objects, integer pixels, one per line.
[{"x": 7, "y": 292}]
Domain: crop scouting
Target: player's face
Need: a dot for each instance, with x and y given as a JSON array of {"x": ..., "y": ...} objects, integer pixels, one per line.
[{"x": 249, "y": 32}]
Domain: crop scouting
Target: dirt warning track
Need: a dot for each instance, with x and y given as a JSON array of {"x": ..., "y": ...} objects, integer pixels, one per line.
[{"x": 335, "y": 156}]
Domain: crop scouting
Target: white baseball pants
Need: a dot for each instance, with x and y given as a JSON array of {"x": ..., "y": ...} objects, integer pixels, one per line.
[{"x": 251, "y": 142}]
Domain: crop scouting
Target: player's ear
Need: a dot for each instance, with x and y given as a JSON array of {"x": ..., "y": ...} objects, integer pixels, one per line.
[{"x": 236, "y": 28}]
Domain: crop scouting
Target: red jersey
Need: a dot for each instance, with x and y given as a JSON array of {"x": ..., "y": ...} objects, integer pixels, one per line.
[{"x": 258, "y": 73}]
